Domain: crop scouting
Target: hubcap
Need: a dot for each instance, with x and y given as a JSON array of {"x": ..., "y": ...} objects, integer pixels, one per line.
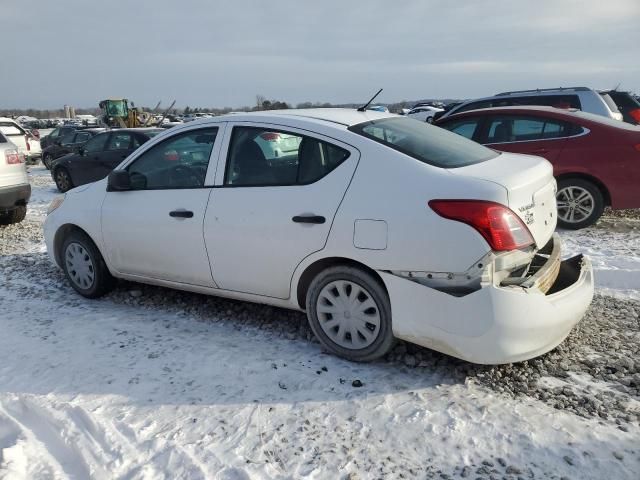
[
  {"x": 63, "y": 180},
  {"x": 575, "y": 204},
  {"x": 79, "y": 265},
  {"x": 348, "y": 314}
]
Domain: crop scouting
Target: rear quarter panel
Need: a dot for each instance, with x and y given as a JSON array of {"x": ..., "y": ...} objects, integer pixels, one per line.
[
  {"x": 608, "y": 156},
  {"x": 396, "y": 189}
]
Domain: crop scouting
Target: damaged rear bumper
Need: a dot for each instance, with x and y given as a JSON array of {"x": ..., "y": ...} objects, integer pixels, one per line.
[{"x": 497, "y": 323}]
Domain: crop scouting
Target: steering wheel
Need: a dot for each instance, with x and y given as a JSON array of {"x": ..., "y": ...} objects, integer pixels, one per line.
[{"x": 182, "y": 176}]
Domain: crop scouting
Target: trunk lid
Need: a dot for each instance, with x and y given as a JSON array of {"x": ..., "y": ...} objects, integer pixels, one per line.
[{"x": 530, "y": 186}]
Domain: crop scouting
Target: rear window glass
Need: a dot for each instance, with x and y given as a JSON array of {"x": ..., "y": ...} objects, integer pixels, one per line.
[
  {"x": 610, "y": 103},
  {"x": 433, "y": 145},
  {"x": 11, "y": 129},
  {"x": 606, "y": 121},
  {"x": 3, "y": 139}
]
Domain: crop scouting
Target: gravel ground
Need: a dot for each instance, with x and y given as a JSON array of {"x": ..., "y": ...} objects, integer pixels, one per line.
[{"x": 595, "y": 373}]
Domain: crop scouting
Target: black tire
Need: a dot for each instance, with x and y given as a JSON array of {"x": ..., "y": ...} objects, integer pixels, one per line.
[
  {"x": 46, "y": 160},
  {"x": 16, "y": 215},
  {"x": 384, "y": 339},
  {"x": 63, "y": 180},
  {"x": 429, "y": 120},
  {"x": 102, "y": 282},
  {"x": 593, "y": 203}
]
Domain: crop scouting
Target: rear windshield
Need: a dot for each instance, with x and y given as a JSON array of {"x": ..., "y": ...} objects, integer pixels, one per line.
[
  {"x": 10, "y": 129},
  {"x": 610, "y": 103},
  {"x": 433, "y": 145},
  {"x": 3, "y": 139},
  {"x": 607, "y": 121}
]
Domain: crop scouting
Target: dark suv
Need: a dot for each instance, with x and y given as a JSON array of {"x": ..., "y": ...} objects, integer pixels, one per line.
[{"x": 628, "y": 105}]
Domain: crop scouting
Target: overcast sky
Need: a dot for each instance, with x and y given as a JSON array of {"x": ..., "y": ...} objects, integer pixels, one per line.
[{"x": 224, "y": 53}]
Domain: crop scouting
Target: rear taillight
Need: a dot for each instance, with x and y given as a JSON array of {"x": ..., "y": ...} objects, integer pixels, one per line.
[
  {"x": 499, "y": 226},
  {"x": 635, "y": 114},
  {"x": 270, "y": 136},
  {"x": 637, "y": 147},
  {"x": 26, "y": 140},
  {"x": 13, "y": 157}
]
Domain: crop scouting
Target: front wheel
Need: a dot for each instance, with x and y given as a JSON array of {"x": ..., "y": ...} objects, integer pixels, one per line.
[
  {"x": 350, "y": 313},
  {"x": 63, "y": 180},
  {"x": 580, "y": 203},
  {"x": 46, "y": 160},
  {"x": 84, "y": 266}
]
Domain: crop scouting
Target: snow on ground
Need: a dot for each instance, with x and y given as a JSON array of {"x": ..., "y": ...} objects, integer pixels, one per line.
[
  {"x": 104, "y": 389},
  {"x": 613, "y": 245}
]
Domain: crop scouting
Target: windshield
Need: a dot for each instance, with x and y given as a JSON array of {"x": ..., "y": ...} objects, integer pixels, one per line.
[
  {"x": 433, "y": 145},
  {"x": 11, "y": 129}
]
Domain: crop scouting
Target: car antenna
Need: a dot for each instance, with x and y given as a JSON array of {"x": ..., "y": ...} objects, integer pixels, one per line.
[{"x": 364, "y": 107}]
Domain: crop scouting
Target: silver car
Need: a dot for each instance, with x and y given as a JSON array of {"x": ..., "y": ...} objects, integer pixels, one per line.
[{"x": 581, "y": 98}]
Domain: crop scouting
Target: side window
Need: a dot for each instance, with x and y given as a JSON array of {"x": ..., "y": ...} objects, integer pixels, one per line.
[
  {"x": 180, "y": 161},
  {"x": 262, "y": 157},
  {"x": 67, "y": 139},
  {"x": 119, "y": 141},
  {"x": 82, "y": 137},
  {"x": 466, "y": 127},
  {"x": 521, "y": 129},
  {"x": 96, "y": 144},
  {"x": 475, "y": 106}
]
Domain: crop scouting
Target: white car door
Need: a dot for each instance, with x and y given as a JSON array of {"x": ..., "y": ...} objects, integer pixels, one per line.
[
  {"x": 271, "y": 208},
  {"x": 154, "y": 230}
]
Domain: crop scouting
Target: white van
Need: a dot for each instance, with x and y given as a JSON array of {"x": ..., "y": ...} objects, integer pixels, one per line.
[{"x": 28, "y": 146}]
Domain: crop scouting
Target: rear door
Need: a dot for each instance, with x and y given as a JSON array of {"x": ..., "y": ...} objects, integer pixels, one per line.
[
  {"x": 267, "y": 212},
  {"x": 530, "y": 135}
]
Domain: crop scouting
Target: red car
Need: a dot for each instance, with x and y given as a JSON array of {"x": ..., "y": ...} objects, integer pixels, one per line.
[{"x": 596, "y": 160}]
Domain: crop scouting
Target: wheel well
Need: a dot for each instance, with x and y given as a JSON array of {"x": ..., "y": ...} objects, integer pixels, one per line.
[
  {"x": 312, "y": 270},
  {"x": 62, "y": 232},
  {"x": 583, "y": 176}
]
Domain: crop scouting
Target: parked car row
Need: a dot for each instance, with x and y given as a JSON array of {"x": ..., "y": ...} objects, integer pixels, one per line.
[{"x": 68, "y": 143}]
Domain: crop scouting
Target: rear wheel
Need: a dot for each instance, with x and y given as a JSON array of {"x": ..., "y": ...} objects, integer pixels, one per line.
[
  {"x": 580, "y": 203},
  {"x": 16, "y": 215},
  {"x": 84, "y": 266},
  {"x": 63, "y": 180},
  {"x": 350, "y": 313}
]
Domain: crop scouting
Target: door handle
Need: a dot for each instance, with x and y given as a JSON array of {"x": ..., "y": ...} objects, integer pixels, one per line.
[
  {"x": 181, "y": 214},
  {"x": 317, "y": 219}
]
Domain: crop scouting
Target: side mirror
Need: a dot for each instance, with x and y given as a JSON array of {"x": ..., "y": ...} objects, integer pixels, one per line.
[{"x": 118, "y": 181}]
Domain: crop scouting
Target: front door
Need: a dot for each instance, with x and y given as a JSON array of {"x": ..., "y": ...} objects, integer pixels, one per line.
[
  {"x": 279, "y": 195},
  {"x": 154, "y": 230}
]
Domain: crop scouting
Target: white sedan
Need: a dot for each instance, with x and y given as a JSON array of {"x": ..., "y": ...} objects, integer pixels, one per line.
[
  {"x": 424, "y": 113},
  {"x": 378, "y": 226}
]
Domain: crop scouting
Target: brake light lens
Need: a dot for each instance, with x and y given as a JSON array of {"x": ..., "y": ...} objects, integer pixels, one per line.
[
  {"x": 13, "y": 157},
  {"x": 26, "y": 140},
  {"x": 500, "y": 226},
  {"x": 270, "y": 136},
  {"x": 637, "y": 147},
  {"x": 635, "y": 114}
]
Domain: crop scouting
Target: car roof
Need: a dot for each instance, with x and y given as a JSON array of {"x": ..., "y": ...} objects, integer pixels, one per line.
[
  {"x": 341, "y": 116},
  {"x": 562, "y": 113}
]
